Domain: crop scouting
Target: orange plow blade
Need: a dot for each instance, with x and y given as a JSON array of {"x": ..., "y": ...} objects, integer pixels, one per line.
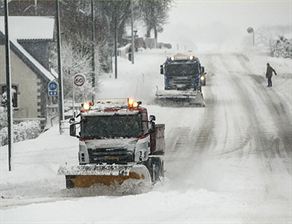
[{"x": 87, "y": 176}]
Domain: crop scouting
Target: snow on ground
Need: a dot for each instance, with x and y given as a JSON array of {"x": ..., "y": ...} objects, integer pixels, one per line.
[
  {"x": 133, "y": 80},
  {"x": 229, "y": 162}
]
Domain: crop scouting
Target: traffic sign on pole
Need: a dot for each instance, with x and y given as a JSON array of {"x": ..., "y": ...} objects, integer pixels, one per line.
[
  {"x": 79, "y": 80},
  {"x": 53, "y": 88}
]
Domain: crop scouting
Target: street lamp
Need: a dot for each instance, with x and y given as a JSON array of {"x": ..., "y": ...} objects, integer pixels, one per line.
[
  {"x": 135, "y": 35},
  {"x": 132, "y": 32},
  {"x": 60, "y": 72},
  {"x": 8, "y": 83},
  {"x": 93, "y": 48},
  {"x": 115, "y": 41},
  {"x": 251, "y": 30}
]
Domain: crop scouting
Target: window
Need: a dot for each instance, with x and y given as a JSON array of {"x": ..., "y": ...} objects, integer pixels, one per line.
[{"x": 14, "y": 95}]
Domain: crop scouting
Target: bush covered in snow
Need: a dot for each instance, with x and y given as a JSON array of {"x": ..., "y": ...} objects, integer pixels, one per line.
[
  {"x": 21, "y": 131},
  {"x": 282, "y": 47},
  {"x": 3, "y": 118}
]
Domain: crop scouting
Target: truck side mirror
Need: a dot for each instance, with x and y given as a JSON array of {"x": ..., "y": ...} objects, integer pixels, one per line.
[
  {"x": 73, "y": 130},
  {"x": 161, "y": 69},
  {"x": 152, "y": 118},
  {"x": 203, "y": 69},
  {"x": 152, "y": 123},
  {"x": 72, "y": 120},
  {"x": 152, "y": 127}
]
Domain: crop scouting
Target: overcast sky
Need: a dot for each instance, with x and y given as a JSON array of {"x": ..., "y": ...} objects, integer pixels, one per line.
[{"x": 215, "y": 21}]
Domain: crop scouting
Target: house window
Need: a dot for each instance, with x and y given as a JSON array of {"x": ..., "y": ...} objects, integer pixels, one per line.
[{"x": 3, "y": 94}]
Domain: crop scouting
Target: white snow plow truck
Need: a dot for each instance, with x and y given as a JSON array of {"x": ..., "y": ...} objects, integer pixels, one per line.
[
  {"x": 183, "y": 76},
  {"x": 117, "y": 143}
]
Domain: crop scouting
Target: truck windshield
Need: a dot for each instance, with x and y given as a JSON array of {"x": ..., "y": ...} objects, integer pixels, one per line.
[
  {"x": 115, "y": 126},
  {"x": 179, "y": 69}
]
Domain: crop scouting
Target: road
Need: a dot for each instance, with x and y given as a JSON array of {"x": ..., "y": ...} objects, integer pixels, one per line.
[
  {"x": 227, "y": 162},
  {"x": 240, "y": 143}
]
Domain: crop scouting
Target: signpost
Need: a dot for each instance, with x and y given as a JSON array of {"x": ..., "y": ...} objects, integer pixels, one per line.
[
  {"x": 53, "y": 88},
  {"x": 78, "y": 81},
  {"x": 251, "y": 30}
]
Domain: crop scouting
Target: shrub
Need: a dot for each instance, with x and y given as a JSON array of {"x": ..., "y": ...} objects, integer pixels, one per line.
[{"x": 21, "y": 131}]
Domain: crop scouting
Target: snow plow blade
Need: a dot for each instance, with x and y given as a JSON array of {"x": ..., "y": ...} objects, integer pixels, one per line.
[
  {"x": 180, "y": 98},
  {"x": 85, "y": 176}
]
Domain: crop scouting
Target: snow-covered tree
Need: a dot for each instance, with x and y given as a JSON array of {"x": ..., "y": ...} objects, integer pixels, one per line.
[
  {"x": 154, "y": 14},
  {"x": 77, "y": 62},
  {"x": 282, "y": 47}
]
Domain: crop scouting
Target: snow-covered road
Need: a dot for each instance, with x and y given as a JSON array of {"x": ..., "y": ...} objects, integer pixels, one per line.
[{"x": 230, "y": 162}]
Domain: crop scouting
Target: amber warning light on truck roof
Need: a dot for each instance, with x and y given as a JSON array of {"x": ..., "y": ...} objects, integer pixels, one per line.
[
  {"x": 86, "y": 106},
  {"x": 132, "y": 104}
]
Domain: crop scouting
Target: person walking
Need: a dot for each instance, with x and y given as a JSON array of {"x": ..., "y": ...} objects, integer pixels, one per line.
[{"x": 269, "y": 74}]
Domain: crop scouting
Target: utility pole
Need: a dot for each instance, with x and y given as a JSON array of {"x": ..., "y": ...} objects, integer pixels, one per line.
[
  {"x": 115, "y": 43},
  {"x": 8, "y": 84},
  {"x": 35, "y": 7},
  {"x": 93, "y": 47},
  {"x": 132, "y": 32},
  {"x": 60, "y": 76}
]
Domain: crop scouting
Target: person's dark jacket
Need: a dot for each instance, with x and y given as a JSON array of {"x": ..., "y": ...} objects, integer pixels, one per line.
[{"x": 270, "y": 71}]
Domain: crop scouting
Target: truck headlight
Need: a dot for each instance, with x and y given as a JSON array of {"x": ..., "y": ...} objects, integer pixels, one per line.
[{"x": 202, "y": 78}]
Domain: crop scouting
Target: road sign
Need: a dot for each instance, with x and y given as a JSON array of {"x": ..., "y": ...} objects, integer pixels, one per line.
[
  {"x": 53, "y": 88},
  {"x": 79, "y": 80},
  {"x": 250, "y": 30}
]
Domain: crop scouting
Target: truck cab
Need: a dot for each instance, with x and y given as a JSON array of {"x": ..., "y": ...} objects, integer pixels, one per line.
[{"x": 181, "y": 72}]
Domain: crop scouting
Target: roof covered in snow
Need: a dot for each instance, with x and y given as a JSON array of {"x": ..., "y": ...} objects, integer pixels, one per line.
[
  {"x": 31, "y": 61},
  {"x": 29, "y": 27}
]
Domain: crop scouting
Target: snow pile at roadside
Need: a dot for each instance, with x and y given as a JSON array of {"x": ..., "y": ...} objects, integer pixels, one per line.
[{"x": 35, "y": 164}]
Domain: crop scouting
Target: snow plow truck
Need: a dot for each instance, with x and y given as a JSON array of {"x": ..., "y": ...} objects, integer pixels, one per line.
[
  {"x": 183, "y": 80},
  {"x": 117, "y": 143}
]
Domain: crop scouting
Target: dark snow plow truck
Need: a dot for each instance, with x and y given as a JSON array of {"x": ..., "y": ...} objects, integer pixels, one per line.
[
  {"x": 117, "y": 145},
  {"x": 183, "y": 75}
]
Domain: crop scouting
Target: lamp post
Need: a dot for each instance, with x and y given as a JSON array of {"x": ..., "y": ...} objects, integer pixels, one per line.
[
  {"x": 251, "y": 30},
  {"x": 93, "y": 48},
  {"x": 8, "y": 85},
  {"x": 60, "y": 72},
  {"x": 132, "y": 32},
  {"x": 115, "y": 41}
]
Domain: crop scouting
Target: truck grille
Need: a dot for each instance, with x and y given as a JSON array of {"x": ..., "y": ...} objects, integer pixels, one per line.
[
  {"x": 182, "y": 79},
  {"x": 110, "y": 155},
  {"x": 181, "y": 82}
]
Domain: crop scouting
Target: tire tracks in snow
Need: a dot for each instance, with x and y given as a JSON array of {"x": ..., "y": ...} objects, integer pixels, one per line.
[
  {"x": 190, "y": 145},
  {"x": 265, "y": 146},
  {"x": 277, "y": 107}
]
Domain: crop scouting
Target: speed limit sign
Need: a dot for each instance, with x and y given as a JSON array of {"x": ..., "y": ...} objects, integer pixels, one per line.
[{"x": 79, "y": 80}]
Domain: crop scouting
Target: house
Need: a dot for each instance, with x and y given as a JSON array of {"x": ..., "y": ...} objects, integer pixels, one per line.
[{"x": 30, "y": 37}]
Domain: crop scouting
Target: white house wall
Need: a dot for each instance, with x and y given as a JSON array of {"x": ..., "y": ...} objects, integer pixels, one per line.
[{"x": 28, "y": 85}]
